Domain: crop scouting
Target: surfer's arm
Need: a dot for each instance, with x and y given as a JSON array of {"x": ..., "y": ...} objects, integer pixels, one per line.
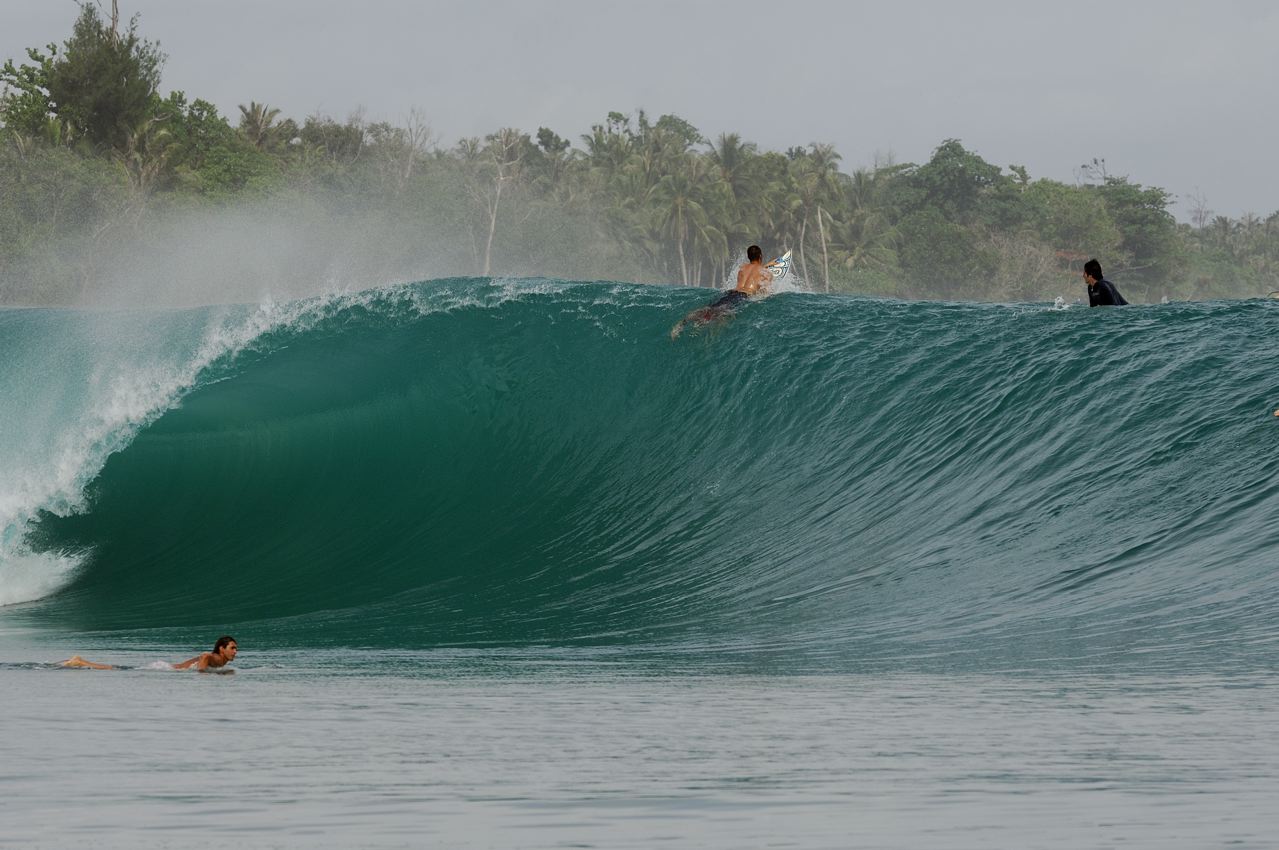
[{"x": 196, "y": 662}]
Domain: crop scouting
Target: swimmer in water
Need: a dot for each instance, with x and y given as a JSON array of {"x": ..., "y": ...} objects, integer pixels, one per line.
[{"x": 223, "y": 653}]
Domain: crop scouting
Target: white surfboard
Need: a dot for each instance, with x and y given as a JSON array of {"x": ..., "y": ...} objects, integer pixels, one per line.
[{"x": 780, "y": 266}]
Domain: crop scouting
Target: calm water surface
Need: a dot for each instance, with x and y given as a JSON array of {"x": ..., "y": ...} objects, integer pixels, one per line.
[{"x": 378, "y": 750}]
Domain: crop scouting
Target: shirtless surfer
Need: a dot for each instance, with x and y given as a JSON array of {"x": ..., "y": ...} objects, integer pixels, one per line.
[
  {"x": 752, "y": 278},
  {"x": 224, "y": 651}
]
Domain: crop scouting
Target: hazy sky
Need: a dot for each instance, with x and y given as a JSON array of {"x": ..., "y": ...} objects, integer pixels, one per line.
[{"x": 1173, "y": 95}]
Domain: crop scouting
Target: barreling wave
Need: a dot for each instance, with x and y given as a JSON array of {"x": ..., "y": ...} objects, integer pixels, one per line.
[{"x": 482, "y": 463}]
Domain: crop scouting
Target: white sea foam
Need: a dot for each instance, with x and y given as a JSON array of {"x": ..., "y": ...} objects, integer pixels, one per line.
[
  {"x": 789, "y": 282},
  {"x": 26, "y": 576},
  {"x": 123, "y": 395}
]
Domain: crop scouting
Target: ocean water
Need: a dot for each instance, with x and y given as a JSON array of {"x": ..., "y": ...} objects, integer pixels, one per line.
[{"x": 508, "y": 567}]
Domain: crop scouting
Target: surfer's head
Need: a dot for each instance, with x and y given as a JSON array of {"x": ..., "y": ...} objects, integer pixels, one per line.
[
  {"x": 1092, "y": 268},
  {"x": 754, "y": 254},
  {"x": 226, "y": 647}
]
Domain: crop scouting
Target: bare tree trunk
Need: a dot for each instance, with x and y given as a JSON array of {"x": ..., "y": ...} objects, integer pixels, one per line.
[
  {"x": 821, "y": 229},
  {"x": 115, "y": 20},
  {"x": 504, "y": 148},
  {"x": 683, "y": 264},
  {"x": 803, "y": 266},
  {"x": 419, "y": 138},
  {"x": 488, "y": 246}
]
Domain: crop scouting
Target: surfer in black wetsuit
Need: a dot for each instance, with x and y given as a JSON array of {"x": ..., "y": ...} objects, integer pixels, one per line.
[
  {"x": 752, "y": 278},
  {"x": 1101, "y": 292}
]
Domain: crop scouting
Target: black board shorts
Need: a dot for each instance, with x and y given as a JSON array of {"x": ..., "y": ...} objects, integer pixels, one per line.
[{"x": 730, "y": 300}]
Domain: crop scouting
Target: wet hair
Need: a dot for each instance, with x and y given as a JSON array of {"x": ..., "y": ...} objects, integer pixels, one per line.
[
  {"x": 754, "y": 254},
  {"x": 223, "y": 641},
  {"x": 1093, "y": 269}
]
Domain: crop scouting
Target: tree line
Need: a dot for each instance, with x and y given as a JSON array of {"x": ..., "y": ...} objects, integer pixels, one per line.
[{"x": 93, "y": 159}]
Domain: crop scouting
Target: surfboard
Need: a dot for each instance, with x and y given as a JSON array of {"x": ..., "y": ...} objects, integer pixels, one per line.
[{"x": 780, "y": 266}]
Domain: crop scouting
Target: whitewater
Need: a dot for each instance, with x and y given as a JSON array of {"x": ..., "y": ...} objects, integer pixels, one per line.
[{"x": 974, "y": 547}]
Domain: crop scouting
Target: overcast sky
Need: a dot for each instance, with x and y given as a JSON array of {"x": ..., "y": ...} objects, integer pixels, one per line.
[{"x": 1177, "y": 95}]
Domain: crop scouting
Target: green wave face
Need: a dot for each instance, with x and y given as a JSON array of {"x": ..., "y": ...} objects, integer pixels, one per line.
[{"x": 537, "y": 463}]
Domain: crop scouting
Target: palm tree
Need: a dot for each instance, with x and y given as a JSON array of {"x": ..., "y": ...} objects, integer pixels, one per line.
[
  {"x": 679, "y": 209},
  {"x": 609, "y": 146},
  {"x": 257, "y": 123},
  {"x": 734, "y": 160},
  {"x": 710, "y": 240},
  {"x": 732, "y": 157},
  {"x": 145, "y": 157},
  {"x": 801, "y": 203},
  {"x": 823, "y": 180},
  {"x": 1224, "y": 229},
  {"x": 866, "y": 234}
]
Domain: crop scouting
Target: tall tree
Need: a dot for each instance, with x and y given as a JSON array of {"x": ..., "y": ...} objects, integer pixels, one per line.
[
  {"x": 104, "y": 83},
  {"x": 955, "y": 181},
  {"x": 26, "y": 108},
  {"x": 865, "y": 234},
  {"x": 736, "y": 161},
  {"x": 1149, "y": 231},
  {"x": 492, "y": 171},
  {"x": 679, "y": 204},
  {"x": 145, "y": 158},
  {"x": 813, "y": 182},
  {"x": 257, "y": 123},
  {"x": 825, "y": 161}
]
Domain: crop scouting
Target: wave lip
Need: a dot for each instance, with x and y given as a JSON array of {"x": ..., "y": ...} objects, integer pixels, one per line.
[{"x": 117, "y": 372}]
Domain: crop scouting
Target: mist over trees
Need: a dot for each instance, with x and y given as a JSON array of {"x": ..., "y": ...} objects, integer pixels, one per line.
[{"x": 98, "y": 168}]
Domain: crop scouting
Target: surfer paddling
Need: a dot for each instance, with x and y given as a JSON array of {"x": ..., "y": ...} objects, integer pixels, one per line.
[
  {"x": 223, "y": 653},
  {"x": 752, "y": 278}
]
